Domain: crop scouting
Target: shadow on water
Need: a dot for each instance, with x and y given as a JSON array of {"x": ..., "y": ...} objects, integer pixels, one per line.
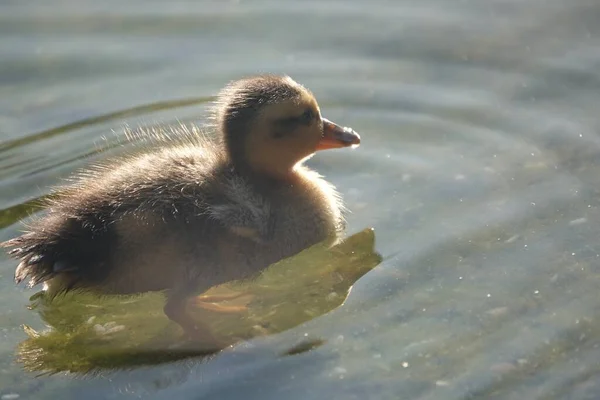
[{"x": 91, "y": 332}]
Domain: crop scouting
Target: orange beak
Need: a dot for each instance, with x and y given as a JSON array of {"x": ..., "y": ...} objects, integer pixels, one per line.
[{"x": 334, "y": 136}]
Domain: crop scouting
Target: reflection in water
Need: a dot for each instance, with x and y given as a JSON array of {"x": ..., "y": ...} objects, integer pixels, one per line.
[{"x": 90, "y": 332}]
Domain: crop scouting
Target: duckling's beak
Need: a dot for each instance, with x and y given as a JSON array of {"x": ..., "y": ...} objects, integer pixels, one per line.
[{"x": 334, "y": 136}]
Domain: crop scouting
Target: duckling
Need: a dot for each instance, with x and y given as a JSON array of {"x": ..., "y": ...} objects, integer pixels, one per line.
[{"x": 195, "y": 213}]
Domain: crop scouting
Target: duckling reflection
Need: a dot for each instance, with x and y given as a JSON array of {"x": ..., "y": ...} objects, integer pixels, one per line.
[
  {"x": 197, "y": 214},
  {"x": 91, "y": 332}
]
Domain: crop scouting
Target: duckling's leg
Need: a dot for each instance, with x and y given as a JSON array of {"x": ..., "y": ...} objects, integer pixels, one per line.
[
  {"x": 213, "y": 302},
  {"x": 220, "y": 307},
  {"x": 215, "y": 298},
  {"x": 175, "y": 309}
]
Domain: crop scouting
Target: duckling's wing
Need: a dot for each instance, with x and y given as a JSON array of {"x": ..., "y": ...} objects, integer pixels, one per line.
[{"x": 242, "y": 210}]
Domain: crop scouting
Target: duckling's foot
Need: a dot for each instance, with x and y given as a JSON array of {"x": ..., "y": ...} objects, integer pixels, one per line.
[
  {"x": 215, "y": 298},
  {"x": 220, "y": 307},
  {"x": 196, "y": 331}
]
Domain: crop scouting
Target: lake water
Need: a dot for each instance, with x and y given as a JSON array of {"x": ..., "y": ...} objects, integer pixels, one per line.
[{"x": 479, "y": 170}]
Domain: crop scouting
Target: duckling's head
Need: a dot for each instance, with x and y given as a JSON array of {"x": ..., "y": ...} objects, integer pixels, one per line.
[{"x": 271, "y": 123}]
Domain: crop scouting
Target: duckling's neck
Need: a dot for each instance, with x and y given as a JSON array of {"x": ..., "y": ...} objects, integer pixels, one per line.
[{"x": 272, "y": 178}]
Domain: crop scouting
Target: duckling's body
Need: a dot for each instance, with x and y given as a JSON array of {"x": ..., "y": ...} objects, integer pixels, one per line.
[
  {"x": 190, "y": 216},
  {"x": 146, "y": 233}
]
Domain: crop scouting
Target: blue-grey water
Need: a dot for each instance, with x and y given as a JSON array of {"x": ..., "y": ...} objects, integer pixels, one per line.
[{"x": 479, "y": 169}]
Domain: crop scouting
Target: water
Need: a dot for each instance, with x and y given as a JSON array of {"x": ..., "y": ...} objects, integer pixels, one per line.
[{"x": 479, "y": 170}]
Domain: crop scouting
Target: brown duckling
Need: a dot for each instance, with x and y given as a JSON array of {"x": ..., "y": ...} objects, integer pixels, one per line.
[{"x": 194, "y": 214}]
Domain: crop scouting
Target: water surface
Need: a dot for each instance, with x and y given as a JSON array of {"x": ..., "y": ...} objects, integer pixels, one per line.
[{"x": 479, "y": 170}]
